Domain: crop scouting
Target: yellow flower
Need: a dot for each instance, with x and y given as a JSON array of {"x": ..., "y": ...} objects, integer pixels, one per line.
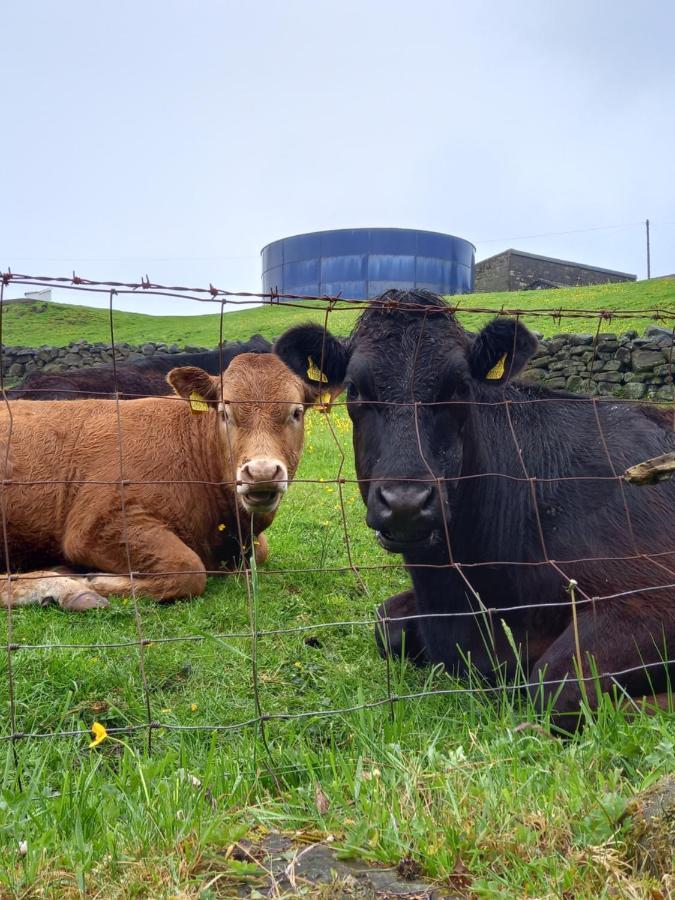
[
  {"x": 100, "y": 734},
  {"x": 194, "y": 707},
  {"x": 222, "y": 527}
]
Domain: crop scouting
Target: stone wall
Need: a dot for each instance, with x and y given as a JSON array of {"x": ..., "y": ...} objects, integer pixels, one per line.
[
  {"x": 19, "y": 361},
  {"x": 622, "y": 365}
]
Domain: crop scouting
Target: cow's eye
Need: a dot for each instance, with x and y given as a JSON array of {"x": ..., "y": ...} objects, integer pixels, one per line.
[
  {"x": 226, "y": 414},
  {"x": 298, "y": 412},
  {"x": 352, "y": 392}
]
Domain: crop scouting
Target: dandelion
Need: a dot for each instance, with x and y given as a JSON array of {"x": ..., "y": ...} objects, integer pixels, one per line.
[
  {"x": 100, "y": 734},
  {"x": 222, "y": 527},
  {"x": 193, "y": 707}
]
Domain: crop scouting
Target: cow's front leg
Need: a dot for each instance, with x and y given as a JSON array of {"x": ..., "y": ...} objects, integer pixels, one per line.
[
  {"x": 164, "y": 567},
  {"x": 396, "y": 634}
]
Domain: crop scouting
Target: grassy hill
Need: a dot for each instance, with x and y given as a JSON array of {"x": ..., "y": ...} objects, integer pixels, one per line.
[{"x": 58, "y": 324}]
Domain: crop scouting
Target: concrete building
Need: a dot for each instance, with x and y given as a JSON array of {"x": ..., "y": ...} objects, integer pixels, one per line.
[{"x": 515, "y": 270}]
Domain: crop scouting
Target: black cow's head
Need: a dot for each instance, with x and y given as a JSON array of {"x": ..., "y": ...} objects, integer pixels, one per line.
[{"x": 410, "y": 372}]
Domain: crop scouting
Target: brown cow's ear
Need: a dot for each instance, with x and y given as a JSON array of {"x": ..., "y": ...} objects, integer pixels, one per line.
[
  {"x": 195, "y": 385},
  {"x": 501, "y": 350}
]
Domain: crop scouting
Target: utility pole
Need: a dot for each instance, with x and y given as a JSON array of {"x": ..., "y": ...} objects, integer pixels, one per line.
[{"x": 649, "y": 261}]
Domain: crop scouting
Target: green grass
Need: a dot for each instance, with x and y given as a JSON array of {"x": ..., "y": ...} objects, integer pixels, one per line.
[
  {"x": 446, "y": 779},
  {"x": 59, "y": 323}
]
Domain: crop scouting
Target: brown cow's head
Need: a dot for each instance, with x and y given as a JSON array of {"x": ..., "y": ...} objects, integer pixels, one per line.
[{"x": 260, "y": 418}]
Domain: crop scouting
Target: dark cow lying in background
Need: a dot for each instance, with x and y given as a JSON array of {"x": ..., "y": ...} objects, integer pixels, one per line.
[
  {"x": 498, "y": 494},
  {"x": 193, "y": 483},
  {"x": 138, "y": 378}
]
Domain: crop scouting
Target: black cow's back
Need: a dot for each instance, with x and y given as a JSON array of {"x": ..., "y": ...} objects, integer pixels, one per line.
[{"x": 140, "y": 378}]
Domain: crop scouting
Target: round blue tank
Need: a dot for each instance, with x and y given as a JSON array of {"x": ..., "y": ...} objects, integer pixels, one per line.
[{"x": 357, "y": 263}]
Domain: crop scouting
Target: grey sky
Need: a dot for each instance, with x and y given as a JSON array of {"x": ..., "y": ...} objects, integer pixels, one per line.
[{"x": 177, "y": 138}]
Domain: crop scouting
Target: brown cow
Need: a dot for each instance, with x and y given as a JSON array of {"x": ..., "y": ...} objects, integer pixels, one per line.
[{"x": 185, "y": 476}]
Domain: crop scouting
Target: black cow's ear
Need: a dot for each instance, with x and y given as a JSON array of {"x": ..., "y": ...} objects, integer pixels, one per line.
[
  {"x": 501, "y": 350},
  {"x": 195, "y": 385},
  {"x": 314, "y": 355}
]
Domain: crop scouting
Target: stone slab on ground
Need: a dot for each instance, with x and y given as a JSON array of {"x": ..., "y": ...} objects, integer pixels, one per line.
[{"x": 294, "y": 869}]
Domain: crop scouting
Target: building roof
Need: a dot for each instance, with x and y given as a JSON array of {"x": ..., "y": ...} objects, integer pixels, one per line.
[{"x": 553, "y": 259}]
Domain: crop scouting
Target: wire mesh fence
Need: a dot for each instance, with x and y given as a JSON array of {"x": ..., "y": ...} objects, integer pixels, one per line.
[{"x": 640, "y": 565}]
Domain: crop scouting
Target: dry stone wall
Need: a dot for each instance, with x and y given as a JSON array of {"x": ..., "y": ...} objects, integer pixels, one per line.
[
  {"x": 19, "y": 361},
  {"x": 620, "y": 365}
]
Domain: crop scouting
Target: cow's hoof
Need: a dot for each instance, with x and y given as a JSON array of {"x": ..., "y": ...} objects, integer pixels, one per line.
[{"x": 85, "y": 600}]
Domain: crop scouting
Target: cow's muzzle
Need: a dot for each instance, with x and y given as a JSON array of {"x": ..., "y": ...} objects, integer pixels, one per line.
[
  {"x": 403, "y": 514},
  {"x": 261, "y": 483}
]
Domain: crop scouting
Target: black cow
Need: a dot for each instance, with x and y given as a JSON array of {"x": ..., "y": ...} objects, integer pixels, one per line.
[
  {"x": 499, "y": 494},
  {"x": 138, "y": 378}
]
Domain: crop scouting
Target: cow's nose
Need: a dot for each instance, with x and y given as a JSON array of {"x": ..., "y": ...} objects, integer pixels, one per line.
[
  {"x": 263, "y": 471},
  {"x": 404, "y": 500},
  {"x": 402, "y": 513}
]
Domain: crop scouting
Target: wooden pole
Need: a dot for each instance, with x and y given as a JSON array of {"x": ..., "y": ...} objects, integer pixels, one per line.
[{"x": 649, "y": 258}]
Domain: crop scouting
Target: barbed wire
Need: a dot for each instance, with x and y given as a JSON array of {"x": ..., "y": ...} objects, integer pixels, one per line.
[
  {"x": 478, "y": 611},
  {"x": 303, "y": 301}
]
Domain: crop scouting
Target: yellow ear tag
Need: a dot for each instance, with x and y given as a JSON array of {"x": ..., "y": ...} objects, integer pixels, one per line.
[
  {"x": 497, "y": 371},
  {"x": 197, "y": 403},
  {"x": 314, "y": 373}
]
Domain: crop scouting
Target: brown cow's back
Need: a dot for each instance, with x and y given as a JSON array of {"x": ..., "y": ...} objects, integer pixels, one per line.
[{"x": 57, "y": 446}]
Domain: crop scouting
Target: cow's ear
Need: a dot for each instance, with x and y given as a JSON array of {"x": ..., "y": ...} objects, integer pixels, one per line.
[
  {"x": 501, "y": 350},
  {"x": 195, "y": 385},
  {"x": 314, "y": 355}
]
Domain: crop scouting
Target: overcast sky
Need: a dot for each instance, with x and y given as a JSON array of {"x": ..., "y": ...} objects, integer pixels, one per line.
[{"x": 177, "y": 138}]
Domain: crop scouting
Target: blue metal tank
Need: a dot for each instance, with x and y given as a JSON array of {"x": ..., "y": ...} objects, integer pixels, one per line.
[{"x": 357, "y": 263}]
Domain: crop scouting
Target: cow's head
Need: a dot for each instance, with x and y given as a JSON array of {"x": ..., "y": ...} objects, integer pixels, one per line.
[
  {"x": 260, "y": 405},
  {"x": 410, "y": 372}
]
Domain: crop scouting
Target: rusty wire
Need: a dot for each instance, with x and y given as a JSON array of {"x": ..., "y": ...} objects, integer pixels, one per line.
[{"x": 260, "y": 718}]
